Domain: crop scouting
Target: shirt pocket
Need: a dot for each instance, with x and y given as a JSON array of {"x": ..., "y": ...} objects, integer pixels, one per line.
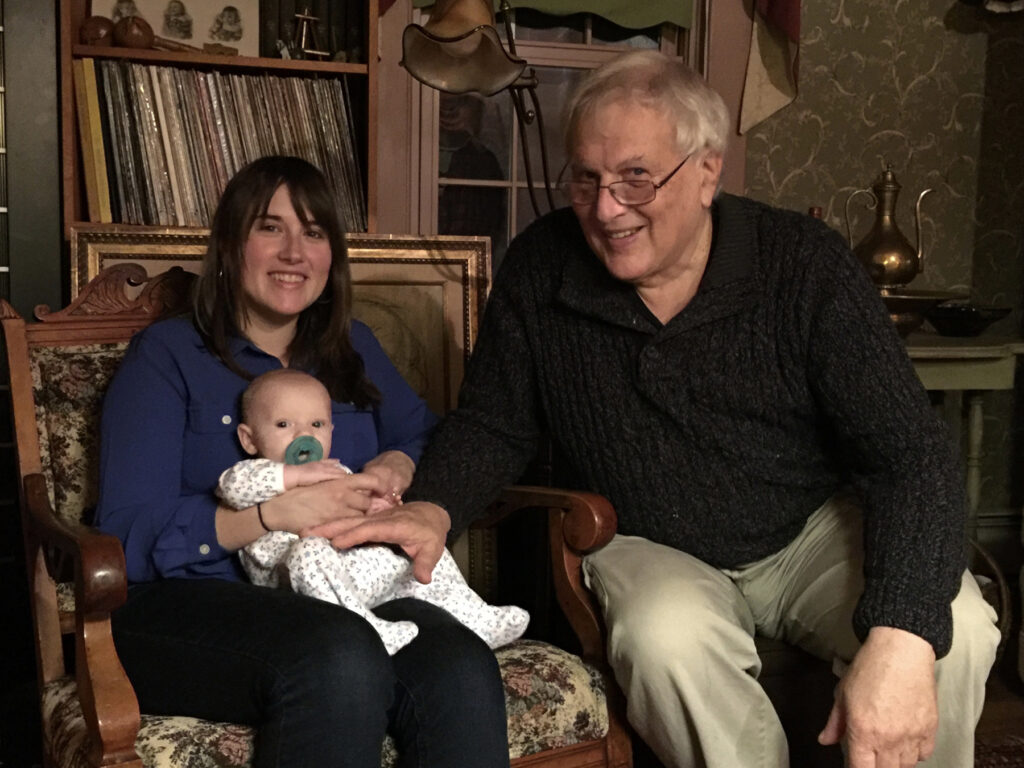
[
  {"x": 210, "y": 444},
  {"x": 354, "y": 440}
]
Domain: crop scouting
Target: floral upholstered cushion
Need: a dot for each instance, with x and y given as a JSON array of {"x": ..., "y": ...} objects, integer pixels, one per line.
[
  {"x": 68, "y": 384},
  {"x": 553, "y": 700}
]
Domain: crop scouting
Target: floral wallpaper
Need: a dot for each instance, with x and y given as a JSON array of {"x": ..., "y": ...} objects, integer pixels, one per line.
[{"x": 934, "y": 88}]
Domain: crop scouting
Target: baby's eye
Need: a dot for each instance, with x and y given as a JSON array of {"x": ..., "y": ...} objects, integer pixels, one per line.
[
  {"x": 317, "y": 424},
  {"x": 281, "y": 424}
]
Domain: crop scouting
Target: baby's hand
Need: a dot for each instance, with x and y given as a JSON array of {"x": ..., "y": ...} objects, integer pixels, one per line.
[
  {"x": 314, "y": 472},
  {"x": 382, "y": 503}
]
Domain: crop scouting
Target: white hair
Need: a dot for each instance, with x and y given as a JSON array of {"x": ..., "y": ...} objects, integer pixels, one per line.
[{"x": 653, "y": 80}]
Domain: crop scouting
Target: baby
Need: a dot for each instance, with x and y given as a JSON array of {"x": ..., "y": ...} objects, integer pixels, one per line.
[{"x": 286, "y": 421}]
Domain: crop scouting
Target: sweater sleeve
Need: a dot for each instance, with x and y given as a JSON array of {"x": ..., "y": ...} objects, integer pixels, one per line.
[
  {"x": 488, "y": 440},
  {"x": 897, "y": 451}
]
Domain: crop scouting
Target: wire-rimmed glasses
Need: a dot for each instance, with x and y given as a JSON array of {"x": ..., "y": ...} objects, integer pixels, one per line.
[{"x": 625, "y": 192}]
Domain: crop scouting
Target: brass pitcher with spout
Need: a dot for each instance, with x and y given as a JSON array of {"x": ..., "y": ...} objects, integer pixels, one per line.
[{"x": 885, "y": 252}]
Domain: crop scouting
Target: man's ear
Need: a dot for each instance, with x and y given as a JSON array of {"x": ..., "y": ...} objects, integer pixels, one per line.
[
  {"x": 710, "y": 175},
  {"x": 245, "y": 437}
]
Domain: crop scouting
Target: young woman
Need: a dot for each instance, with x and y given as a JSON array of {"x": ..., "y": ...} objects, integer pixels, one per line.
[{"x": 194, "y": 636}]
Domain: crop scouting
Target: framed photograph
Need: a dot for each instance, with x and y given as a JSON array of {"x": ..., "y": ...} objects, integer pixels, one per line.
[
  {"x": 422, "y": 296},
  {"x": 234, "y": 23}
]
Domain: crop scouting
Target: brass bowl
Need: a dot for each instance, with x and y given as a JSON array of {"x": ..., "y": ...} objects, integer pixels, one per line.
[
  {"x": 908, "y": 307},
  {"x": 964, "y": 319}
]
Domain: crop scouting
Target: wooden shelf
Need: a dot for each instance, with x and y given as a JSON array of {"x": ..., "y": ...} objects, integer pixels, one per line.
[
  {"x": 191, "y": 59},
  {"x": 74, "y": 12}
]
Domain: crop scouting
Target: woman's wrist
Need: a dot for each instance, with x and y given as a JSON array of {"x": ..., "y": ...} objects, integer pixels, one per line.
[{"x": 259, "y": 516}]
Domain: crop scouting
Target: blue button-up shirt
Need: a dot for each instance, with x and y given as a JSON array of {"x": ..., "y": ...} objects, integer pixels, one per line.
[{"x": 168, "y": 431}]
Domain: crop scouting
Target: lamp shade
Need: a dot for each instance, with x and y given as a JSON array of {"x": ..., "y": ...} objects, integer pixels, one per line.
[{"x": 458, "y": 50}]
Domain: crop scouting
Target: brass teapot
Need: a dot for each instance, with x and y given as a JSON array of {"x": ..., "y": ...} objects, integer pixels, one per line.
[{"x": 885, "y": 252}]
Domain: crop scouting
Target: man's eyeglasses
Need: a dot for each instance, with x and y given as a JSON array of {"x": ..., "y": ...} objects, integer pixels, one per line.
[{"x": 627, "y": 192}]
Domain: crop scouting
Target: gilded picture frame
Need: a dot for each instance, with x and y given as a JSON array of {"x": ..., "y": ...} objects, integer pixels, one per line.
[{"x": 423, "y": 296}]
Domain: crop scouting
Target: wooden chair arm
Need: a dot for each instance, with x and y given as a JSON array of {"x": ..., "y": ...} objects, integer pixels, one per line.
[
  {"x": 101, "y": 583},
  {"x": 109, "y": 705},
  {"x": 578, "y": 523}
]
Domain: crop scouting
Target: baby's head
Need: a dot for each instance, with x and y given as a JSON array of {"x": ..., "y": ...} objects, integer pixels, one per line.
[{"x": 280, "y": 407}]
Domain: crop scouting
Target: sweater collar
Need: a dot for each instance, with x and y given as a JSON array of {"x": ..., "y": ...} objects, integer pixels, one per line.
[{"x": 588, "y": 288}]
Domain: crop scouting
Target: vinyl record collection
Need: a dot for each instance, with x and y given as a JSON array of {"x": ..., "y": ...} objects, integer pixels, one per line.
[{"x": 159, "y": 143}]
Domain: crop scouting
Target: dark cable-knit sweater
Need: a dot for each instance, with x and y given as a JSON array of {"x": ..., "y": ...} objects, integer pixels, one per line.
[{"x": 720, "y": 432}]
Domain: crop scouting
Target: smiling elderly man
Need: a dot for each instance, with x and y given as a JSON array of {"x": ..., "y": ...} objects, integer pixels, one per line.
[{"x": 725, "y": 373}]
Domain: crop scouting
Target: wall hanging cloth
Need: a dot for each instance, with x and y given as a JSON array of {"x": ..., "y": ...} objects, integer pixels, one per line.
[{"x": 772, "y": 62}]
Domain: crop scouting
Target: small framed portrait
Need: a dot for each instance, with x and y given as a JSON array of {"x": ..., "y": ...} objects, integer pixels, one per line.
[{"x": 234, "y": 23}]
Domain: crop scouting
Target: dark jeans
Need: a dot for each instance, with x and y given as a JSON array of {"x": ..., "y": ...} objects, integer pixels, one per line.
[{"x": 313, "y": 677}]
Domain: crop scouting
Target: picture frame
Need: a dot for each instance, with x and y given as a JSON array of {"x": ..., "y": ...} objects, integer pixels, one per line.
[
  {"x": 234, "y": 23},
  {"x": 423, "y": 296}
]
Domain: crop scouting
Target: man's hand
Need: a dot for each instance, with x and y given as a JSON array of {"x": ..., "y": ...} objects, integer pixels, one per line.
[
  {"x": 886, "y": 708},
  {"x": 419, "y": 528}
]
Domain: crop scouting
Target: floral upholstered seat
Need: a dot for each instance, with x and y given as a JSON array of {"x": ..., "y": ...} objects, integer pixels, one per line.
[{"x": 553, "y": 700}]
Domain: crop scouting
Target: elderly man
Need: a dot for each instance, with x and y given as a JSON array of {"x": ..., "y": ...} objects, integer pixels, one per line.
[{"x": 725, "y": 373}]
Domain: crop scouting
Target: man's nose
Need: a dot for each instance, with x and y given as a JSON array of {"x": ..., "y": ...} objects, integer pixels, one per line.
[{"x": 607, "y": 207}]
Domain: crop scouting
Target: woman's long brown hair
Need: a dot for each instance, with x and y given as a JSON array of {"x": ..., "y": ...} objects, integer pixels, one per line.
[{"x": 322, "y": 342}]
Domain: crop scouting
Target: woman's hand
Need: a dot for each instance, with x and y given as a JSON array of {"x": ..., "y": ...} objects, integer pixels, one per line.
[
  {"x": 419, "y": 528},
  {"x": 394, "y": 469},
  {"x": 306, "y": 507}
]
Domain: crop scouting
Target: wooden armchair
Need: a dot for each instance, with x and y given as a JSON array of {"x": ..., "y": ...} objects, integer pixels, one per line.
[{"x": 564, "y": 711}]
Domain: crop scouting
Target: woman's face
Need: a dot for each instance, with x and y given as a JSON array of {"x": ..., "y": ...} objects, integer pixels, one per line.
[{"x": 286, "y": 265}]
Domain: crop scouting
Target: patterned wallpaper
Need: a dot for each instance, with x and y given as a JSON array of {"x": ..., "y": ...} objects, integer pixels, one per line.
[{"x": 936, "y": 88}]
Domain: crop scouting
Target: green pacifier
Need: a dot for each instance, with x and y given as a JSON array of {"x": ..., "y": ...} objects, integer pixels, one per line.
[{"x": 302, "y": 450}]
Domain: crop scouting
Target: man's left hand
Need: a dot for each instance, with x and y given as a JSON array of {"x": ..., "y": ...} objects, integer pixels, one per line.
[
  {"x": 886, "y": 708},
  {"x": 418, "y": 528}
]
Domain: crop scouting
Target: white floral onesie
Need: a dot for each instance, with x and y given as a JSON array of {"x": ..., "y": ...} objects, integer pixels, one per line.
[{"x": 359, "y": 578}]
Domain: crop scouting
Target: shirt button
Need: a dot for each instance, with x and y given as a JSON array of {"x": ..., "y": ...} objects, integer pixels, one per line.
[
  {"x": 225, "y": 419},
  {"x": 204, "y": 549}
]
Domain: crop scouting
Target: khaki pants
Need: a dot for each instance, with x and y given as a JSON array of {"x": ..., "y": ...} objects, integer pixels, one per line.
[{"x": 681, "y": 641}]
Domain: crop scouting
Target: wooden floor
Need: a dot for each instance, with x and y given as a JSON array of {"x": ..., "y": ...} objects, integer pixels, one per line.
[
  {"x": 1004, "y": 705},
  {"x": 999, "y": 738}
]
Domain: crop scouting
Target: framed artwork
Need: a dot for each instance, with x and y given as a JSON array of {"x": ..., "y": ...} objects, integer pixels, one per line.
[
  {"x": 422, "y": 296},
  {"x": 235, "y": 23}
]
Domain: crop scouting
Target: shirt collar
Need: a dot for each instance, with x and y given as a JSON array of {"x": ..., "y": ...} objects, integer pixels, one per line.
[{"x": 238, "y": 346}]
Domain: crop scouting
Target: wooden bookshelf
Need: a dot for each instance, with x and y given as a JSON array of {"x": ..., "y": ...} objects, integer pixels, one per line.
[{"x": 362, "y": 79}]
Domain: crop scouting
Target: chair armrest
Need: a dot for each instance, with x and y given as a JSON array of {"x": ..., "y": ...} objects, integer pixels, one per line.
[
  {"x": 108, "y": 701},
  {"x": 100, "y": 577},
  {"x": 578, "y": 523}
]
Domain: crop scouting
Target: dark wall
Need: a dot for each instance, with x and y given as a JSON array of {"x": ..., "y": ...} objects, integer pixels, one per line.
[
  {"x": 33, "y": 153},
  {"x": 32, "y": 132}
]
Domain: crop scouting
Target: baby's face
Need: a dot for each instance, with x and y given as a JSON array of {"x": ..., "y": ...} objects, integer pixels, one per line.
[{"x": 285, "y": 410}]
